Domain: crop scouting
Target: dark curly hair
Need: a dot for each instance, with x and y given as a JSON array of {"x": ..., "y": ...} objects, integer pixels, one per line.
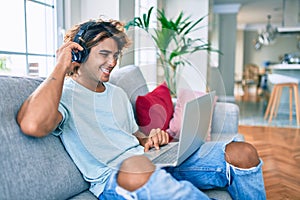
[{"x": 98, "y": 30}]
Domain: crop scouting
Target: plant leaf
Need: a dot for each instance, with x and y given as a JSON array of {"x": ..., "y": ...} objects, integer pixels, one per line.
[
  {"x": 192, "y": 26},
  {"x": 147, "y": 20}
]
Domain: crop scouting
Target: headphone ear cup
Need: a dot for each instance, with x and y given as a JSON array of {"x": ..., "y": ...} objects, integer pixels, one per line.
[
  {"x": 75, "y": 57},
  {"x": 80, "y": 56},
  {"x": 83, "y": 54}
]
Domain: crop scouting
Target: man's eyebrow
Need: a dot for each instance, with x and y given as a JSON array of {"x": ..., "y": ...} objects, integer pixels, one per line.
[
  {"x": 105, "y": 51},
  {"x": 108, "y": 51}
]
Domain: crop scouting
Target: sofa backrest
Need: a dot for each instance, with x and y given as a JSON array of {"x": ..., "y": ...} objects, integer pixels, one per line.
[
  {"x": 131, "y": 80},
  {"x": 31, "y": 168}
]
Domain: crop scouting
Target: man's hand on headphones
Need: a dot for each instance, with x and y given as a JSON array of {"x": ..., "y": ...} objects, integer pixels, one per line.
[{"x": 64, "y": 55}]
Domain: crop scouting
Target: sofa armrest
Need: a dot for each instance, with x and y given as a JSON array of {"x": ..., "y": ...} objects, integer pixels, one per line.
[{"x": 225, "y": 118}]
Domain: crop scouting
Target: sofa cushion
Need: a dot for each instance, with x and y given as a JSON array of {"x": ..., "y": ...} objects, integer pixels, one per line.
[
  {"x": 155, "y": 109},
  {"x": 220, "y": 193},
  {"x": 131, "y": 80},
  {"x": 184, "y": 96},
  {"x": 31, "y": 168},
  {"x": 86, "y": 195},
  {"x": 225, "y": 118}
]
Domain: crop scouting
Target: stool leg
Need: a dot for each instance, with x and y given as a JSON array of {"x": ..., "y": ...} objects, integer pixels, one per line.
[
  {"x": 278, "y": 100},
  {"x": 270, "y": 103},
  {"x": 297, "y": 103},
  {"x": 291, "y": 102},
  {"x": 274, "y": 102}
]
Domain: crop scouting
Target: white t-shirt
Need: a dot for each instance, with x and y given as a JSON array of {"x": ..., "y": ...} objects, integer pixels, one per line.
[{"x": 96, "y": 130}]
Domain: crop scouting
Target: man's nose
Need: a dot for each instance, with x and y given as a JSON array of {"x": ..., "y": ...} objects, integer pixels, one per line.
[{"x": 111, "y": 61}]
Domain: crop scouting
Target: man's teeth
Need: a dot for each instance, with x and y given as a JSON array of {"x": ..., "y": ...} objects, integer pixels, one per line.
[{"x": 104, "y": 69}]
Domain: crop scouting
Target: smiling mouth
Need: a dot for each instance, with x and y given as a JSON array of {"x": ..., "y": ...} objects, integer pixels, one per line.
[{"x": 105, "y": 70}]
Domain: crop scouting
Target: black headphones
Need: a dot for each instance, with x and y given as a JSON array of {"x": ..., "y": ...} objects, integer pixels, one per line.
[{"x": 81, "y": 56}]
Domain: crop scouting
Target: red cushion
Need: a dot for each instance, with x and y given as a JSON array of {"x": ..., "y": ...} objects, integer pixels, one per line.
[{"x": 155, "y": 109}]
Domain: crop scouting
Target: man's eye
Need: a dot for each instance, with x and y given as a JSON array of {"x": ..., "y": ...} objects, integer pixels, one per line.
[
  {"x": 116, "y": 56},
  {"x": 104, "y": 54}
]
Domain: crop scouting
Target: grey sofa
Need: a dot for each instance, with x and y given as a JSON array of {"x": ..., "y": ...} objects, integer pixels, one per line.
[{"x": 40, "y": 168}]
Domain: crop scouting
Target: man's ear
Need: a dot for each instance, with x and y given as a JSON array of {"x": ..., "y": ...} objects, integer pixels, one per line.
[{"x": 75, "y": 67}]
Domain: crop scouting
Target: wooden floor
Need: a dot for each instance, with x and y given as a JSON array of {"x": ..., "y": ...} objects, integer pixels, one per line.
[{"x": 279, "y": 149}]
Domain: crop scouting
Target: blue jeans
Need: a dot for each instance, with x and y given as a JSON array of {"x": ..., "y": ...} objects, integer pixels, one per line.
[{"x": 205, "y": 169}]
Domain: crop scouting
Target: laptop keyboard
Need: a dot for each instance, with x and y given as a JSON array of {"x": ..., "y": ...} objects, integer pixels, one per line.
[{"x": 168, "y": 156}]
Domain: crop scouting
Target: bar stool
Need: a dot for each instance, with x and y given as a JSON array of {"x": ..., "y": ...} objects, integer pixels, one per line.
[{"x": 279, "y": 82}]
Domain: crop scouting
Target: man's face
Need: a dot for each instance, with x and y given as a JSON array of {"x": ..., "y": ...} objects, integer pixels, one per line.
[{"x": 101, "y": 61}]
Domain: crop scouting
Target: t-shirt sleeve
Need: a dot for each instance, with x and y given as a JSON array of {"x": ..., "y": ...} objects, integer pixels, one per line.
[{"x": 60, "y": 126}]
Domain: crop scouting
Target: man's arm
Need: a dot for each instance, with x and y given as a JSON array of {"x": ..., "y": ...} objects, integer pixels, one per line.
[
  {"x": 156, "y": 138},
  {"x": 39, "y": 114}
]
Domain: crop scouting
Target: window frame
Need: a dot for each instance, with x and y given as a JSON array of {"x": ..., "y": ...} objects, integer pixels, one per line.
[{"x": 57, "y": 19}]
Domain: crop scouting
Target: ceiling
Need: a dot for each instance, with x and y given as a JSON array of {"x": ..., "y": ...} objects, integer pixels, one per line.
[{"x": 253, "y": 13}]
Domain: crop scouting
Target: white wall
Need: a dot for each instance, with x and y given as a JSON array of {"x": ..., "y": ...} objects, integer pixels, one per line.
[
  {"x": 81, "y": 10},
  {"x": 96, "y": 8},
  {"x": 195, "y": 77},
  {"x": 239, "y": 55},
  {"x": 72, "y": 13}
]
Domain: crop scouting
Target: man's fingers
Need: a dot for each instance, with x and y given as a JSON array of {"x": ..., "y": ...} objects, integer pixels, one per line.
[
  {"x": 75, "y": 46},
  {"x": 146, "y": 147},
  {"x": 157, "y": 137},
  {"x": 155, "y": 141},
  {"x": 165, "y": 138}
]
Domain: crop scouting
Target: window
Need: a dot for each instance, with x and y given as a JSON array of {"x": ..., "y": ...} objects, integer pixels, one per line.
[
  {"x": 27, "y": 37},
  {"x": 145, "y": 50}
]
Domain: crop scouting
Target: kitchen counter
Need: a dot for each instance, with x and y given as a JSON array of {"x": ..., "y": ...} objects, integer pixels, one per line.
[
  {"x": 292, "y": 70},
  {"x": 285, "y": 67}
]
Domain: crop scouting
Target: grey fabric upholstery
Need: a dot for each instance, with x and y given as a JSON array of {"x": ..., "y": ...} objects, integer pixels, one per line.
[
  {"x": 31, "y": 168},
  {"x": 219, "y": 194},
  {"x": 131, "y": 80},
  {"x": 225, "y": 122},
  {"x": 41, "y": 168},
  {"x": 227, "y": 117},
  {"x": 86, "y": 195}
]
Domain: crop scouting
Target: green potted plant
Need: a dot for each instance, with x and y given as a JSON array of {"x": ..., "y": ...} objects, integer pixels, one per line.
[
  {"x": 173, "y": 41},
  {"x": 3, "y": 63}
]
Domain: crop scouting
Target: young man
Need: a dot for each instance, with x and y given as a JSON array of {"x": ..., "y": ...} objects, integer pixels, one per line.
[{"x": 96, "y": 124}]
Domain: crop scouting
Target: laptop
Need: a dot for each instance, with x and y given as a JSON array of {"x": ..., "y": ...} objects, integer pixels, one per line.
[{"x": 197, "y": 115}]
